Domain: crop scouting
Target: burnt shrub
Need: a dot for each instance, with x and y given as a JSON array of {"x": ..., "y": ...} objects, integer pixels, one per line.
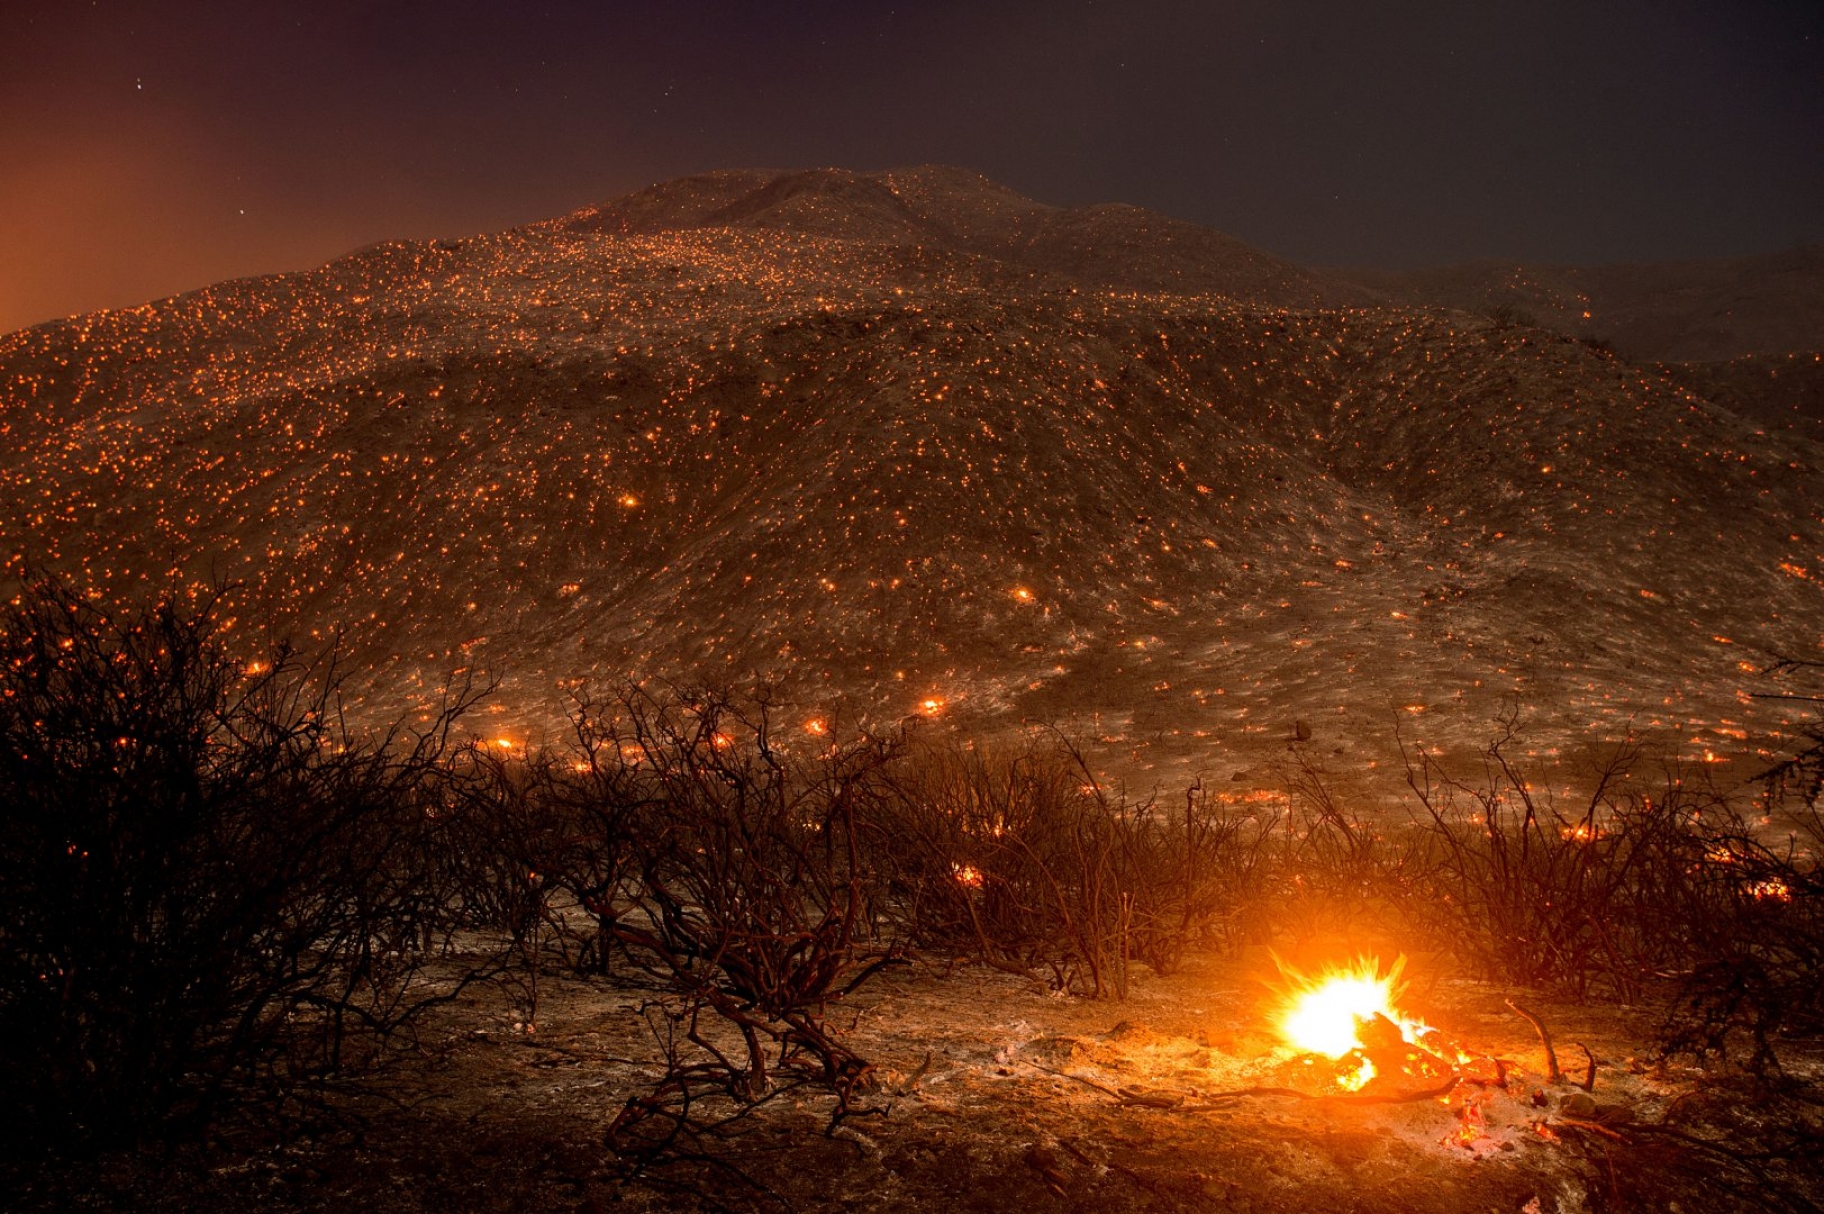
[
  {"x": 1588, "y": 900},
  {"x": 1337, "y": 876},
  {"x": 1195, "y": 875},
  {"x": 1757, "y": 970},
  {"x": 541, "y": 850},
  {"x": 1673, "y": 892},
  {"x": 993, "y": 856},
  {"x": 207, "y": 886},
  {"x": 1023, "y": 859},
  {"x": 1507, "y": 315},
  {"x": 1757, "y": 966},
  {"x": 745, "y": 893}
]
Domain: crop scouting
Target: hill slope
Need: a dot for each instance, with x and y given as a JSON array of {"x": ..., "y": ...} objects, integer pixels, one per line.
[{"x": 770, "y": 426}]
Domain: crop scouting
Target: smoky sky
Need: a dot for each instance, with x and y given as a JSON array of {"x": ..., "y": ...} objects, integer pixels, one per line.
[{"x": 147, "y": 148}]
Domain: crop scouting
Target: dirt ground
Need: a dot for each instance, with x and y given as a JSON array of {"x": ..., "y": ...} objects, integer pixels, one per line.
[{"x": 994, "y": 1094}]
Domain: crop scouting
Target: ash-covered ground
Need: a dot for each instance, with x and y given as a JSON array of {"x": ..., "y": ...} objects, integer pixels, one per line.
[{"x": 994, "y": 1093}]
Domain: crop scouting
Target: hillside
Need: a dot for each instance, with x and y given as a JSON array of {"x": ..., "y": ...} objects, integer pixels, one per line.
[{"x": 907, "y": 444}]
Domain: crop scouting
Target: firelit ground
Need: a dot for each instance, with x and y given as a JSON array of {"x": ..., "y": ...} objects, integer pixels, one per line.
[{"x": 995, "y": 1094}]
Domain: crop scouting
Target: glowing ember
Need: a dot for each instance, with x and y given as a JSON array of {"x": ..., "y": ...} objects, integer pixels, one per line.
[
  {"x": 1356, "y": 1080},
  {"x": 1472, "y": 1123},
  {"x": 1325, "y": 1015}
]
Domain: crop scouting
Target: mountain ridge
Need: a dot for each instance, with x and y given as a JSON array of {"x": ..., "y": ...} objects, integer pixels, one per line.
[
  {"x": 1700, "y": 311},
  {"x": 1109, "y": 245}
]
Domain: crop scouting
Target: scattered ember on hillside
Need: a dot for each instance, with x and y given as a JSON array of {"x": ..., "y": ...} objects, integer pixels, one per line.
[{"x": 811, "y": 447}]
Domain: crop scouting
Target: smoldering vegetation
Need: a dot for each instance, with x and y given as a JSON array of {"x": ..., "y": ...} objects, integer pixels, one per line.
[{"x": 222, "y": 907}]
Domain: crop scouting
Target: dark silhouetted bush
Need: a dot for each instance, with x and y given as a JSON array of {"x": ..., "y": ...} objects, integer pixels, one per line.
[{"x": 206, "y": 886}]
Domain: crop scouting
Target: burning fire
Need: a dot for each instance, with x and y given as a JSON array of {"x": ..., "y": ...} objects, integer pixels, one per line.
[
  {"x": 1325, "y": 1015},
  {"x": 1349, "y": 1014}
]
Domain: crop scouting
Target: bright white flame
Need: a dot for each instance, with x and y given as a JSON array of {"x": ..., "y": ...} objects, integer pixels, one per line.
[
  {"x": 1324, "y": 1015},
  {"x": 1325, "y": 1019}
]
